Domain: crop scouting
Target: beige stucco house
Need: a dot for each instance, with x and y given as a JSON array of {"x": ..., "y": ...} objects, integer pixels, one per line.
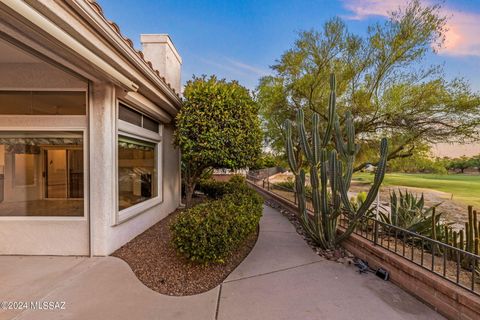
[{"x": 86, "y": 155}]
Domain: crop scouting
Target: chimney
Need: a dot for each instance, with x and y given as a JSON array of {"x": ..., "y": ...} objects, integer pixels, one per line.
[{"x": 160, "y": 51}]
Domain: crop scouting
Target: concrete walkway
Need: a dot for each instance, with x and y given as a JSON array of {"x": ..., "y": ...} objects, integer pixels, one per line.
[{"x": 282, "y": 278}]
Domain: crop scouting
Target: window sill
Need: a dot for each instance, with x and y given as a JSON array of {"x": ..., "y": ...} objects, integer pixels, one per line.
[{"x": 135, "y": 210}]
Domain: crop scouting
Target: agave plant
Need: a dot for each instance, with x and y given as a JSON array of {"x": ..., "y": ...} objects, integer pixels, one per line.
[
  {"x": 408, "y": 211},
  {"x": 330, "y": 169}
]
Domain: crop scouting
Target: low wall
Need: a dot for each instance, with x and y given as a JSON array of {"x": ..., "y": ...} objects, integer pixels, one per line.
[{"x": 445, "y": 297}]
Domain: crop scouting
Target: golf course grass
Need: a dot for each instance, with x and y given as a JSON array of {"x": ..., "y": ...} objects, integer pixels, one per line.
[{"x": 465, "y": 188}]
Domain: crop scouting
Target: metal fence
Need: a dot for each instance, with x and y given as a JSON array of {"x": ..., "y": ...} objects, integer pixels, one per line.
[{"x": 453, "y": 264}]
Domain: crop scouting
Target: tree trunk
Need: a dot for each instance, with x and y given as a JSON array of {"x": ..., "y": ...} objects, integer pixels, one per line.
[{"x": 189, "y": 190}]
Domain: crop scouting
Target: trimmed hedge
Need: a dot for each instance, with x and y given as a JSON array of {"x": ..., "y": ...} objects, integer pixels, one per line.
[
  {"x": 217, "y": 189},
  {"x": 210, "y": 231}
]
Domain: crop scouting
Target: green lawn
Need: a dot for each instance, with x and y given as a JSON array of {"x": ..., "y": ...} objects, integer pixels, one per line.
[{"x": 465, "y": 189}]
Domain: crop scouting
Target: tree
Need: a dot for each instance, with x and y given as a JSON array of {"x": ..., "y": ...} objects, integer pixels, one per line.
[
  {"x": 267, "y": 160},
  {"x": 383, "y": 80},
  {"x": 421, "y": 161},
  {"x": 217, "y": 127},
  {"x": 474, "y": 162},
  {"x": 461, "y": 164}
]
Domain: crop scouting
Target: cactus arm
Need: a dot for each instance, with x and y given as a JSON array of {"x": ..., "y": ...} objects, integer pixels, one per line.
[
  {"x": 345, "y": 200},
  {"x": 314, "y": 182},
  {"x": 323, "y": 190},
  {"x": 350, "y": 132},
  {"x": 347, "y": 178},
  {"x": 340, "y": 144},
  {"x": 331, "y": 112},
  {"x": 289, "y": 146},
  {"x": 300, "y": 187},
  {"x": 303, "y": 136},
  {"x": 317, "y": 149}
]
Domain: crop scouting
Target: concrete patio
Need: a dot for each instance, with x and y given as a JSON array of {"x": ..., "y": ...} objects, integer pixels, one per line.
[{"x": 282, "y": 278}]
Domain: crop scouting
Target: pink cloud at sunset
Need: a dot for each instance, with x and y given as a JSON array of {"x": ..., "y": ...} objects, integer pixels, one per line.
[{"x": 462, "y": 37}]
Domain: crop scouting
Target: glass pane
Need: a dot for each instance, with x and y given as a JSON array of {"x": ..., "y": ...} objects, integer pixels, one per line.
[
  {"x": 129, "y": 115},
  {"x": 75, "y": 173},
  {"x": 41, "y": 173},
  {"x": 25, "y": 169},
  {"x": 150, "y": 124},
  {"x": 137, "y": 172},
  {"x": 59, "y": 103},
  {"x": 12, "y": 102},
  {"x": 42, "y": 103},
  {"x": 56, "y": 173}
]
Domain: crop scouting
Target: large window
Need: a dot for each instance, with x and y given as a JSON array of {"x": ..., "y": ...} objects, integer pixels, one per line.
[
  {"x": 41, "y": 173},
  {"x": 138, "y": 160}
]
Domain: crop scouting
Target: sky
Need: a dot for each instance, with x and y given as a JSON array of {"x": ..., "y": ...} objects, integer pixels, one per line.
[{"x": 241, "y": 39}]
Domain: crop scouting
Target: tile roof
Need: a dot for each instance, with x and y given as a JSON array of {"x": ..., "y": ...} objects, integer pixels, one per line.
[{"x": 129, "y": 42}]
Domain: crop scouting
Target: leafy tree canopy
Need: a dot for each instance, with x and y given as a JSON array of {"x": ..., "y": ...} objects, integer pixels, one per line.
[
  {"x": 217, "y": 127},
  {"x": 382, "y": 78}
]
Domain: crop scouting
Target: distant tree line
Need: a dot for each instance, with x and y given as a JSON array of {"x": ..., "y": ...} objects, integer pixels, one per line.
[{"x": 462, "y": 163}]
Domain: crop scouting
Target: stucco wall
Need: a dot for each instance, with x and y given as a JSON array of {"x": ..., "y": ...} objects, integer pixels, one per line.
[{"x": 106, "y": 236}]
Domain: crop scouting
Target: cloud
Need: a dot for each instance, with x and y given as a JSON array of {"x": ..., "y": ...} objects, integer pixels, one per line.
[
  {"x": 363, "y": 9},
  {"x": 463, "y": 28},
  {"x": 247, "y": 74},
  {"x": 248, "y": 68},
  {"x": 463, "y": 34}
]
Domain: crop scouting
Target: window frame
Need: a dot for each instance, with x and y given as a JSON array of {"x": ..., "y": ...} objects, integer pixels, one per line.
[{"x": 124, "y": 128}]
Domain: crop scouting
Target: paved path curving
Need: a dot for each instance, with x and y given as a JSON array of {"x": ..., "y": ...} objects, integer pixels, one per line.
[{"x": 282, "y": 278}]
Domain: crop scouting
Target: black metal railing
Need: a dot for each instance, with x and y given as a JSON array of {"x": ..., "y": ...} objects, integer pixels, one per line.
[{"x": 453, "y": 264}]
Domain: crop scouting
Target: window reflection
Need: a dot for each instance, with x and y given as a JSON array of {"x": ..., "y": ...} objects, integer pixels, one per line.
[
  {"x": 42, "y": 103},
  {"x": 137, "y": 176},
  {"x": 41, "y": 173}
]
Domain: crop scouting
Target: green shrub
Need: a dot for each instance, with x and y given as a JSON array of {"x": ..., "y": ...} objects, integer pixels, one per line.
[
  {"x": 209, "y": 232},
  {"x": 290, "y": 185},
  {"x": 213, "y": 189},
  {"x": 217, "y": 189}
]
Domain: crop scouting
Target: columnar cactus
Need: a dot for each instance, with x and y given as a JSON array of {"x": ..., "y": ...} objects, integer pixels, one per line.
[{"x": 330, "y": 175}]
